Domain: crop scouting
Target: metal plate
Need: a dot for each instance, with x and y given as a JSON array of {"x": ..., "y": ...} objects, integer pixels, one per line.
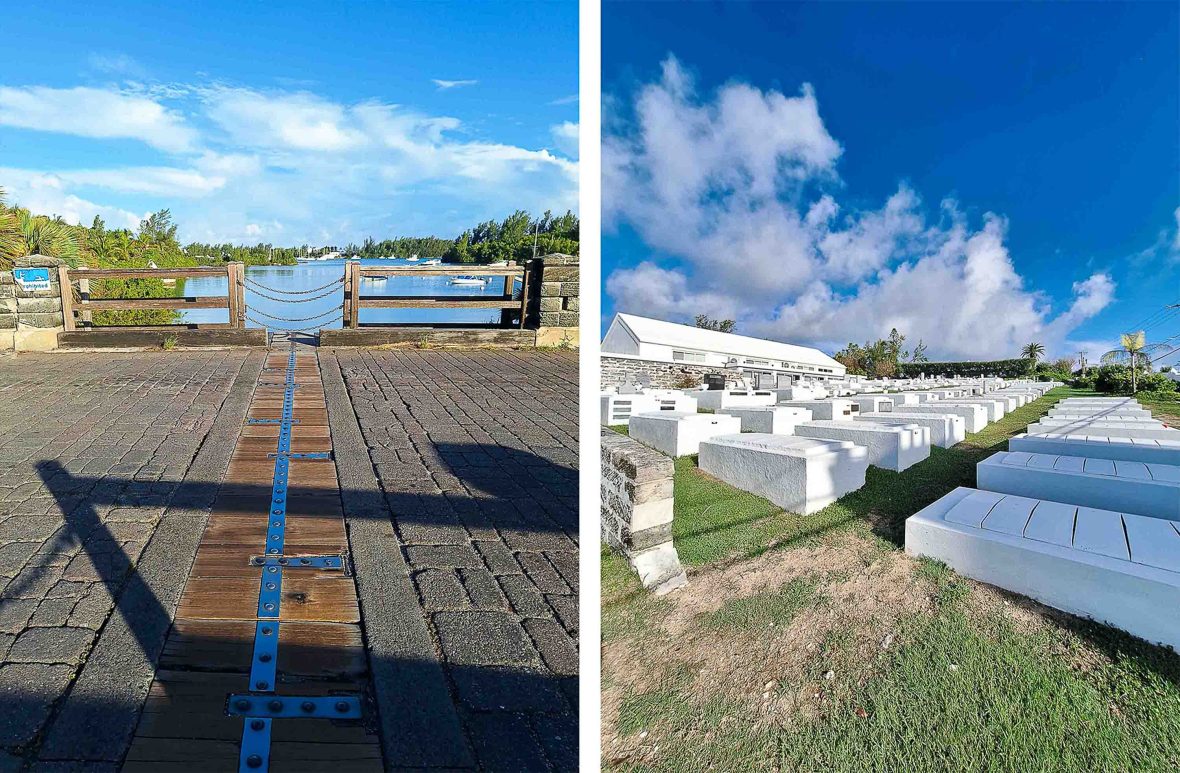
[
  {"x": 255, "y": 754},
  {"x": 300, "y": 562},
  {"x": 270, "y": 592},
  {"x": 294, "y": 706},
  {"x": 311, "y": 455},
  {"x": 264, "y": 667},
  {"x": 272, "y": 421}
]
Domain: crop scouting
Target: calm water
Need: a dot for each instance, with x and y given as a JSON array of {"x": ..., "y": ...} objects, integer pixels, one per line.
[{"x": 306, "y": 276}]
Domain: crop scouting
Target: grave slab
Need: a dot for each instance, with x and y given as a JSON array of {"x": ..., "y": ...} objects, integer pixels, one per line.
[
  {"x": 1064, "y": 556},
  {"x": 945, "y": 429},
  {"x": 1130, "y": 487},
  {"x": 771, "y": 419},
  {"x": 802, "y": 475},
  {"x": 890, "y": 447},
  {"x": 680, "y": 434}
]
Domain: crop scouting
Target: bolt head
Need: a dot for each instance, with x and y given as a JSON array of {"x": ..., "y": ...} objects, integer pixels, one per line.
[{"x": 254, "y": 761}]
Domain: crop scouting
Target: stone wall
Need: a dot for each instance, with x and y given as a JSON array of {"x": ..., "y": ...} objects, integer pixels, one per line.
[
  {"x": 636, "y": 510},
  {"x": 554, "y": 299},
  {"x": 30, "y": 320},
  {"x": 659, "y": 375}
]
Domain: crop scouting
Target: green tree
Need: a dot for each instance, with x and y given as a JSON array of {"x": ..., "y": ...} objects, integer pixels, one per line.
[
  {"x": 1134, "y": 351},
  {"x": 1032, "y": 352},
  {"x": 720, "y": 325}
]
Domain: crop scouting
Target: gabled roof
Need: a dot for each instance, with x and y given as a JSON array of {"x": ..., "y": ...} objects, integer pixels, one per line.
[{"x": 654, "y": 331}]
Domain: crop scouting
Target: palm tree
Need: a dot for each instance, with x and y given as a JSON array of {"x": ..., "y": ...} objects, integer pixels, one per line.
[
  {"x": 1032, "y": 352},
  {"x": 11, "y": 241},
  {"x": 46, "y": 236},
  {"x": 1132, "y": 346}
]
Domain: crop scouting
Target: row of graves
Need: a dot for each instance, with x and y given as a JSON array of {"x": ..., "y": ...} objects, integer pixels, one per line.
[
  {"x": 803, "y": 451},
  {"x": 1081, "y": 513}
]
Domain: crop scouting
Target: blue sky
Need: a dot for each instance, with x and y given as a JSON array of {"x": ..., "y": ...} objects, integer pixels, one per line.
[
  {"x": 833, "y": 211},
  {"x": 295, "y": 122}
]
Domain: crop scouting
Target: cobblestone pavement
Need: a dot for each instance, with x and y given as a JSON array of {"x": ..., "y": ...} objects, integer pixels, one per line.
[
  {"x": 92, "y": 449},
  {"x": 476, "y": 454}
]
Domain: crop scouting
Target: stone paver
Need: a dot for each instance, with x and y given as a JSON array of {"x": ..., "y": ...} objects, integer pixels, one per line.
[
  {"x": 476, "y": 456},
  {"x": 93, "y": 450}
]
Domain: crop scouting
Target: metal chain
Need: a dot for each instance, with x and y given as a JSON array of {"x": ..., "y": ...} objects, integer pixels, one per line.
[
  {"x": 297, "y": 319},
  {"x": 333, "y": 283},
  {"x": 284, "y": 329},
  {"x": 292, "y": 300}
]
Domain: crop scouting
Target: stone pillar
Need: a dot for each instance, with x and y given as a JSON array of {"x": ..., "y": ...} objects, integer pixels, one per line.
[
  {"x": 636, "y": 510},
  {"x": 554, "y": 306},
  {"x": 31, "y": 320}
]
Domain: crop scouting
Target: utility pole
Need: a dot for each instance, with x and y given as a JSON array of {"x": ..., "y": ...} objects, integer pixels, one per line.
[
  {"x": 536, "y": 230},
  {"x": 1082, "y": 359}
]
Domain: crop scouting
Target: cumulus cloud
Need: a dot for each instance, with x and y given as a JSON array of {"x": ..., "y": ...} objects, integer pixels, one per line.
[
  {"x": 97, "y": 113},
  {"x": 738, "y": 188},
  {"x": 248, "y": 159},
  {"x": 565, "y": 137}
]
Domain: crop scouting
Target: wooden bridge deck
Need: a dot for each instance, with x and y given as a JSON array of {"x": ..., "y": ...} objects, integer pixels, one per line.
[{"x": 210, "y": 650}]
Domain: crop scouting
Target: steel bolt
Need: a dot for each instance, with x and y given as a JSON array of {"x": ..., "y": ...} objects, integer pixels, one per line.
[
  {"x": 262, "y": 685},
  {"x": 342, "y": 707},
  {"x": 308, "y": 706},
  {"x": 254, "y": 761},
  {"x": 275, "y": 705},
  {"x": 242, "y": 704},
  {"x": 257, "y": 724}
]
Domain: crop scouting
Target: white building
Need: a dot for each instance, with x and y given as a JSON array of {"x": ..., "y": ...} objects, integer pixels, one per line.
[{"x": 764, "y": 364}]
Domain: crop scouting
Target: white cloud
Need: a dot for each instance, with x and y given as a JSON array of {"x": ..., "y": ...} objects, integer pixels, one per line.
[
  {"x": 47, "y": 194},
  {"x": 565, "y": 138},
  {"x": 444, "y": 85},
  {"x": 732, "y": 185},
  {"x": 97, "y": 113},
  {"x": 297, "y": 158},
  {"x": 567, "y": 100}
]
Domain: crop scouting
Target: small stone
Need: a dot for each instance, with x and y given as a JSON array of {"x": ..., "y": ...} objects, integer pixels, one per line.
[{"x": 829, "y": 675}]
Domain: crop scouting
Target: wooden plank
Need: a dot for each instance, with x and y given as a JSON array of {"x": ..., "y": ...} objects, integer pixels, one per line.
[
  {"x": 435, "y": 302},
  {"x": 306, "y": 650},
  {"x": 152, "y": 273},
  {"x": 67, "y": 297},
  {"x": 190, "y": 302},
  {"x": 328, "y": 600}
]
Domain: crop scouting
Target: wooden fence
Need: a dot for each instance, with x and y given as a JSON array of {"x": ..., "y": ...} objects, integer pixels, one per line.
[
  {"x": 354, "y": 301},
  {"x": 84, "y": 308}
]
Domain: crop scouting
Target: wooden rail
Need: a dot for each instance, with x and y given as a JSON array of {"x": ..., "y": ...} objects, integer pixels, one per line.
[
  {"x": 354, "y": 301},
  {"x": 233, "y": 300}
]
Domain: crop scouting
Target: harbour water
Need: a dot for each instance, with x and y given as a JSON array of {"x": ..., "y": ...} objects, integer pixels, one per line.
[{"x": 275, "y": 310}]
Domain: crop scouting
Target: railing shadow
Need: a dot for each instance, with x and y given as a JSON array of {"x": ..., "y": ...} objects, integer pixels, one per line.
[{"x": 503, "y": 706}]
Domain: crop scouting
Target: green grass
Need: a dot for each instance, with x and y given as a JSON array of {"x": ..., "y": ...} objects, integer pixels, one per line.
[
  {"x": 964, "y": 688},
  {"x": 762, "y": 610},
  {"x": 715, "y": 522}
]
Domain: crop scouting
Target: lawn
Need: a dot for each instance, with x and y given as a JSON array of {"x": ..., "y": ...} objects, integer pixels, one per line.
[{"x": 815, "y": 643}]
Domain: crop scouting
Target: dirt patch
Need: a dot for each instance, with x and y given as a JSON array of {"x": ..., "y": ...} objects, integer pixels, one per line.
[{"x": 779, "y": 673}]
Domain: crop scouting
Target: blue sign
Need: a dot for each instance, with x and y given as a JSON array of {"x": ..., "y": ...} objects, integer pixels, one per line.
[{"x": 31, "y": 279}]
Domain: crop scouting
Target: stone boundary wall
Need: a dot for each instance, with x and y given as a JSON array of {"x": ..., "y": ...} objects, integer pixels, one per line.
[
  {"x": 30, "y": 320},
  {"x": 636, "y": 510},
  {"x": 661, "y": 375},
  {"x": 554, "y": 305}
]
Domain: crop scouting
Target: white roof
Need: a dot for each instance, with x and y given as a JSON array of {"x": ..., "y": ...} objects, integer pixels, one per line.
[{"x": 655, "y": 331}]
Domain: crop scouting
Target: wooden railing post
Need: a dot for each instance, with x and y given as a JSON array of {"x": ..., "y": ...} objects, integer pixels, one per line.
[
  {"x": 354, "y": 284},
  {"x": 67, "y": 297},
  {"x": 84, "y": 297},
  {"x": 236, "y": 292}
]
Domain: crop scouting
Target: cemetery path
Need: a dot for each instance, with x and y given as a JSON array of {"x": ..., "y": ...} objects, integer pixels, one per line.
[{"x": 453, "y": 489}]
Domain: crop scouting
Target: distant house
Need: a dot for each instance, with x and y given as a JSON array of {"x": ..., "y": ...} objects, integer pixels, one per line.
[{"x": 764, "y": 364}]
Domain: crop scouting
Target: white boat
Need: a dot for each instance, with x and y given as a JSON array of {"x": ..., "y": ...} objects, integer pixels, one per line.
[
  {"x": 432, "y": 262},
  {"x": 468, "y": 280},
  {"x": 412, "y": 259}
]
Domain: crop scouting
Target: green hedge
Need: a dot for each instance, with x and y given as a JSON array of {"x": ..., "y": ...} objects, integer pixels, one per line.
[{"x": 1002, "y": 368}]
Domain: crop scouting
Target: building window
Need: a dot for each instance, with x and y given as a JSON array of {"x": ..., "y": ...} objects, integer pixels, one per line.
[
  {"x": 688, "y": 356},
  {"x": 763, "y": 363}
]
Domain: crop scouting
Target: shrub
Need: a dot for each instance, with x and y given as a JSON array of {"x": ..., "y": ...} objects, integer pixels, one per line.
[
  {"x": 1017, "y": 368},
  {"x": 686, "y": 381},
  {"x": 1117, "y": 379},
  {"x": 1158, "y": 396}
]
